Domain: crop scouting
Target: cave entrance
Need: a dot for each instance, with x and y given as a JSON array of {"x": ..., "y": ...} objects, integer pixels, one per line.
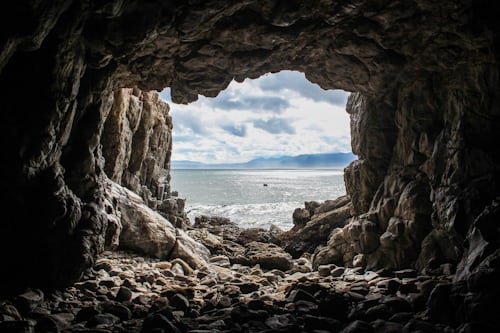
[{"x": 260, "y": 149}]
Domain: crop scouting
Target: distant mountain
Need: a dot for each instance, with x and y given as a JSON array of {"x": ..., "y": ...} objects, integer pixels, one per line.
[{"x": 307, "y": 161}]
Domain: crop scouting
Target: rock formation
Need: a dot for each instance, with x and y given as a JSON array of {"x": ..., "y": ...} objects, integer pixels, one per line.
[
  {"x": 137, "y": 146},
  {"x": 134, "y": 226},
  {"x": 314, "y": 224},
  {"x": 424, "y": 118}
]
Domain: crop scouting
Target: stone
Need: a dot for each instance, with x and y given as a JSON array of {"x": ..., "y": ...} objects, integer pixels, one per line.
[
  {"x": 401, "y": 317},
  {"x": 28, "y": 300},
  {"x": 247, "y": 287},
  {"x": 438, "y": 304},
  {"x": 241, "y": 314},
  {"x": 301, "y": 216},
  {"x": 337, "y": 271},
  {"x": 280, "y": 321},
  {"x": 327, "y": 255},
  {"x": 9, "y": 312},
  {"x": 46, "y": 324},
  {"x": 324, "y": 270},
  {"x": 313, "y": 323},
  {"x": 124, "y": 294},
  {"x": 381, "y": 311},
  {"x": 306, "y": 237},
  {"x": 158, "y": 322},
  {"x": 148, "y": 232},
  {"x": 102, "y": 320},
  {"x": 382, "y": 326},
  {"x": 416, "y": 325},
  {"x": 417, "y": 301},
  {"x": 54, "y": 323},
  {"x": 301, "y": 295},
  {"x": 333, "y": 306},
  {"x": 268, "y": 256},
  {"x": 302, "y": 265},
  {"x": 143, "y": 229},
  {"x": 306, "y": 307},
  {"x": 405, "y": 273},
  {"x": 86, "y": 313},
  {"x": 391, "y": 285},
  {"x": 358, "y": 326},
  {"x": 16, "y": 326},
  {"x": 179, "y": 302},
  {"x": 118, "y": 310},
  {"x": 397, "y": 304},
  {"x": 190, "y": 251}
]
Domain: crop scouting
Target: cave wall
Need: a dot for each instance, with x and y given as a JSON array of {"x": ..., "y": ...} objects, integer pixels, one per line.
[
  {"x": 137, "y": 147},
  {"x": 424, "y": 117},
  {"x": 417, "y": 195}
]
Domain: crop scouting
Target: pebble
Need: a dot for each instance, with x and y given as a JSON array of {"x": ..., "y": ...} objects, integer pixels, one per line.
[
  {"x": 324, "y": 270},
  {"x": 337, "y": 272},
  {"x": 406, "y": 273},
  {"x": 129, "y": 293}
]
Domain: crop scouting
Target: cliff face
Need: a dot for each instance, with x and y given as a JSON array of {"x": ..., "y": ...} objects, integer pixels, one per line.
[
  {"x": 424, "y": 118},
  {"x": 137, "y": 146},
  {"x": 417, "y": 195}
]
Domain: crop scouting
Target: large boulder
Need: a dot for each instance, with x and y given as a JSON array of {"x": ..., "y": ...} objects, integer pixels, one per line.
[{"x": 146, "y": 231}]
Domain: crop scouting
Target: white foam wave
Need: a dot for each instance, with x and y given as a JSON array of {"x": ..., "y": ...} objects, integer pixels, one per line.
[{"x": 250, "y": 215}]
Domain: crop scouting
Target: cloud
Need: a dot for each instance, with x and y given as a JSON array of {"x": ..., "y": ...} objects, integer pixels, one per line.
[
  {"x": 185, "y": 138},
  {"x": 229, "y": 101},
  {"x": 236, "y": 130},
  {"x": 275, "y": 125},
  {"x": 186, "y": 120},
  {"x": 276, "y": 114},
  {"x": 295, "y": 81}
]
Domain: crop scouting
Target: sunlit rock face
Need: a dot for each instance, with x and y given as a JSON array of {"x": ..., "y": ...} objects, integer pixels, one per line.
[
  {"x": 424, "y": 118},
  {"x": 137, "y": 146}
]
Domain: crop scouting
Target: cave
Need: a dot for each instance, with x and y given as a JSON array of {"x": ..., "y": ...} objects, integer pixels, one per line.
[{"x": 86, "y": 141}]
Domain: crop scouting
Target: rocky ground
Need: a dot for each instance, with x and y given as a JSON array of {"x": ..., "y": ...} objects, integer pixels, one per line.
[{"x": 248, "y": 285}]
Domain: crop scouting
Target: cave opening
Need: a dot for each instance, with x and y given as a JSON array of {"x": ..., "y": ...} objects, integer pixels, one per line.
[
  {"x": 279, "y": 131},
  {"x": 86, "y": 165}
]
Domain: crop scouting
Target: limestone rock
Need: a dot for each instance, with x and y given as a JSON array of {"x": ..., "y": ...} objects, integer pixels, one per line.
[
  {"x": 194, "y": 253},
  {"x": 306, "y": 237},
  {"x": 146, "y": 231},
  {"x": 143, "y": 229},
  {"x": 268, "y": 256},
  {"x": 137, "y": 146},
  {"x": 301, "y": 216}
]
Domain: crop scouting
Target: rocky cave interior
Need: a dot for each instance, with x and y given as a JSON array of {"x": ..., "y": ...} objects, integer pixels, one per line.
[{"x": 87, "y": 143}]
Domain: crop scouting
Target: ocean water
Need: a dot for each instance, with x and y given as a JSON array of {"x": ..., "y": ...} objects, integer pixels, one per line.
[{"x": 255, "y": 198}]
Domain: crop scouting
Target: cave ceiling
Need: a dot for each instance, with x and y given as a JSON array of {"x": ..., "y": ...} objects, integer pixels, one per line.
[{"x": 198, "y": 47}]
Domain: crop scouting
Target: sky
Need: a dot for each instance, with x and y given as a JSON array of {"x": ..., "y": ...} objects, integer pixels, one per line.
[{"x": 275, "y": 115}]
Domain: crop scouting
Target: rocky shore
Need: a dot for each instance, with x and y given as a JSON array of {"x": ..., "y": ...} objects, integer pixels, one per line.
[{"x": 248, "y": 284}]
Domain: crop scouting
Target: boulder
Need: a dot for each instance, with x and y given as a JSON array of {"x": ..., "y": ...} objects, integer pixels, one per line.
[
  {"x": 307, "y": 237},
  {"x": 268, "y": 256},
  {"x": 143, "y": 229},
  {"x": 146, "y": 231}
]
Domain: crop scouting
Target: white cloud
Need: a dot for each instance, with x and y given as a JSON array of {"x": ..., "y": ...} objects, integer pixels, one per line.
[{"x": 277, "y": 114}]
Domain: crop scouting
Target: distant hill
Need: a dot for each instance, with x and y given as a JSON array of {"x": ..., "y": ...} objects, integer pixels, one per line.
[{"x": 307, "y": 161}]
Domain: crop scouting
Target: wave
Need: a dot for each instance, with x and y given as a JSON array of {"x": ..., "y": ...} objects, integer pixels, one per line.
[{"x": 261, "y": 215}]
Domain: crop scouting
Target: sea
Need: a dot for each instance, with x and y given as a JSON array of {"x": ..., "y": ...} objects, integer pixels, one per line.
[{"x": 255, "y": 198}]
